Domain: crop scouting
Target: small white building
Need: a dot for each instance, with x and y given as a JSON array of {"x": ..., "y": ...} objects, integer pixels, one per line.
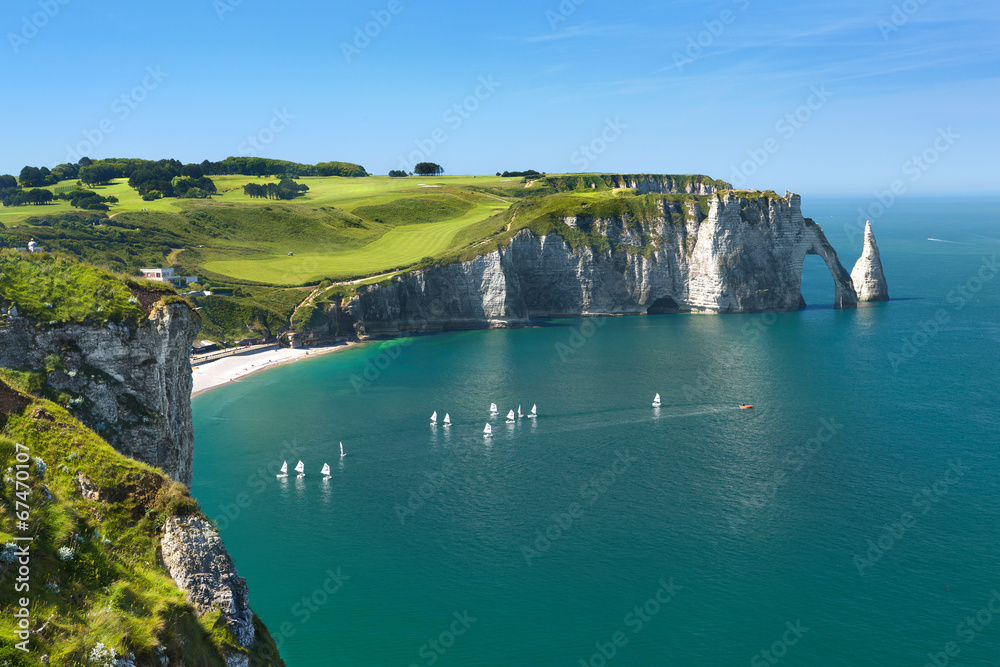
[{"x": 166, "y": 275}]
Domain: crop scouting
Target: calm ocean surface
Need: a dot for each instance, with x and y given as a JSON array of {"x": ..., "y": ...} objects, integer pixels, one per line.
[{"x": 851, "y": 518}]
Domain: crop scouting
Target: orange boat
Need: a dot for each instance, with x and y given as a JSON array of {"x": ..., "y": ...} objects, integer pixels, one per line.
[{"x": 746, "y": 407}]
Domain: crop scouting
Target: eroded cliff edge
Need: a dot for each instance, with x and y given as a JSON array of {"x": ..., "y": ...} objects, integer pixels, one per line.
[
  {"x": 742, "y": 254},
  {"x": 129, "y": 382}
]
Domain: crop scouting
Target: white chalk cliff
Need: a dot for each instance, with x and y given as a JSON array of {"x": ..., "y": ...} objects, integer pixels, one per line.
[
  {"x": 745, "y": 255},
  {"x": 867, "y": 276}
]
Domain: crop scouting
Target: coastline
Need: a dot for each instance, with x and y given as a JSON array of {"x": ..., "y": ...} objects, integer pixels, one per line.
[{"x": 230, "y": 369}]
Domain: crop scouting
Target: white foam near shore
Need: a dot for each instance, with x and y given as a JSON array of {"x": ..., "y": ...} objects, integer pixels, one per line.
[{"x": 228, "y": 369}]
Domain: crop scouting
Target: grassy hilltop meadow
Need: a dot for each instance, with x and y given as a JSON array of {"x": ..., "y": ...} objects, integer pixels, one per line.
[{"x": 264, "y": 257}]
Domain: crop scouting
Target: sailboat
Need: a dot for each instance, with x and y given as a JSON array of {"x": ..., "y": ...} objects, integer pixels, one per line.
[
  {"x": 488, "y": 431},
  {"x": 434, "y": 417},
  {"x": 300, "y": 468},
  {"x": 284, "y": 470},
  {"x": 519, "y": 411},
  {"x": 341, "y": 450},
  {"x": 493, "y": 409},
  {"x": 326, "y": 471},
  {"x": 656, "y": 401},
  {"x": 510, "y": 417},
  {"x": 534, "y": 411},
  {"x": 447, "y": 419}
]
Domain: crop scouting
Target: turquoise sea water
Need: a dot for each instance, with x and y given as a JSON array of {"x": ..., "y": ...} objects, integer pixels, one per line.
[{"x": 851, "y": 518}]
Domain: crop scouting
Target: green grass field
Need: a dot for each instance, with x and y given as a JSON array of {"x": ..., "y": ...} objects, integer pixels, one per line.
[{"x": 398, "y": 222}]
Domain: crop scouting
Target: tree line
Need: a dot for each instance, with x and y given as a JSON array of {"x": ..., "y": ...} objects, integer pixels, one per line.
[{"x": 286, "y": 188}]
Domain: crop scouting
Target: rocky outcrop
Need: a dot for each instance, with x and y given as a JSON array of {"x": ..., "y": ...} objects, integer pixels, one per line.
[
  {"x": 199, "y": 564},
  {"x": 745, "y": 255},
  {"x": 867, "y": 276},
  {"x": 132, "y": 384}
]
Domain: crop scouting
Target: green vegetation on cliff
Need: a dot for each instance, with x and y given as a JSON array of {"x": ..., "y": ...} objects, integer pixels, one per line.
[
  {"x": 97, "y": 585},
  {"x": 51, "y": 288}
]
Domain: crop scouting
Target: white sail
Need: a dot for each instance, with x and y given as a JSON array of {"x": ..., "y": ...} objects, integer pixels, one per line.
[
  {"x": 534, "y": 411},
  {"x": 510, "y": 416},
  {"x": 284, "y": 469},
  {"x": 493, "y": 408},
  {"x": 656, "y": 400},
  {"x": 341, "y": 449},
  {"x": 519, "y": 411},
  {"x": 434, "y": 417},
  {"x": 488, "y": 431},
  {"x": 447, "y": 419},
  {"x": 326, "y": 469},
  {"x": 300, "y": 468}
]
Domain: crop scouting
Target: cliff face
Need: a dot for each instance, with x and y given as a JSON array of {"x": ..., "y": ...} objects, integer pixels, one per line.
[
  {"x": 133, "y": 384},
  {"x": 744, "y": 256},
  {"x": 867, "y": 275},
  {"x": 198, "y": 562}
]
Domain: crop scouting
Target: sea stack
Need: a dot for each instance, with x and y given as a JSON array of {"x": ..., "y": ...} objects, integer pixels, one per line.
[{"x": 867, "y": 276}]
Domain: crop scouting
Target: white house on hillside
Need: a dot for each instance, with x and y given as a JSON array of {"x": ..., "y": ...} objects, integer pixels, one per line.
[{"x": 167, "y": 276}]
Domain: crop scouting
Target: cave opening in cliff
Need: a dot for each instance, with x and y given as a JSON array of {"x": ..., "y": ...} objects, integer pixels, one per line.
[
  {"x": 818, "y": 288},
  {"x": 662, "y": 306}
]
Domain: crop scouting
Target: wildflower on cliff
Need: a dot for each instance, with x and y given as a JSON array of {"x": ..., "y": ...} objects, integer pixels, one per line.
[
  {"x": 66, "y": 554},
  {"x": 40, "y": 466}
]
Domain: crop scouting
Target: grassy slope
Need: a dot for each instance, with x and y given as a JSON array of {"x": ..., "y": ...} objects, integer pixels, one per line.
[{"x": 112, "y": 588}]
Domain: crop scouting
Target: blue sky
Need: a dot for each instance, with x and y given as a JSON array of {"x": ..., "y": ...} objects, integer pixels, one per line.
[{"x": 820, "y": 97}]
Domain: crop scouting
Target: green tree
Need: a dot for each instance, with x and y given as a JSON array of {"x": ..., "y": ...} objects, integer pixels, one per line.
[{"x": 427, "y": 169}]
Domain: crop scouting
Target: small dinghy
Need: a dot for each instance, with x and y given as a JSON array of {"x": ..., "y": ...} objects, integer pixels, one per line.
[
  {"x": 284, "y": 470},
  {"x": 656, "y": 401},
  {"x": 326, "y": 471},
  {"x": 300, "y": 468},
  {"x": 434, "y": 417},
  {"x": 488, "y": 431},
  {"x": 510, "y": 417},
  {"x": 341, "y": 450},
  {"x": 746, "y": 406},
  {"x": 447, "y": 419},
  {"x": 493, "y": 409},
  {"x": 534, "y": 411}
]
